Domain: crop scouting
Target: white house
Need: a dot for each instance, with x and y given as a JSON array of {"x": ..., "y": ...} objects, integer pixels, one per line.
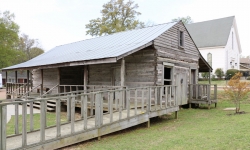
[{"x": 218, "y": 42}]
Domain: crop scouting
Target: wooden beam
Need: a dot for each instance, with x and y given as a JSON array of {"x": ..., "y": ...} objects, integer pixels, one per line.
[
  {"x": 6, "y": 81},
  {"x": 3, "y": 123},
  {"x": 59, "y": 79},
  {"x": 123, "y": 72}
]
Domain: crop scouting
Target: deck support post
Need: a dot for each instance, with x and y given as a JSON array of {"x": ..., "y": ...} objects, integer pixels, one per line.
[
  {"x": 148, "y": 123},
  {"x": 123, "y": 72},
  {"x": 3, "y": 122},
  {"x": 176, "y": 114},
  {"x": 41, "y": 90}
]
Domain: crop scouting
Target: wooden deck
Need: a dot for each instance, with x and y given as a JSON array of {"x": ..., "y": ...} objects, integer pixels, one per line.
[{"x": 110, "y": 111}]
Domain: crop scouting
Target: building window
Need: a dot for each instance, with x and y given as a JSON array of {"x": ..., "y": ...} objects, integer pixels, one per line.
[
  {"x": 181, "y": 39},
  {"x": 209, "y": 59}
]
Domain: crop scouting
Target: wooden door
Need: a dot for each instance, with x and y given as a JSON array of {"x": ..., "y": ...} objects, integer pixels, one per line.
[{"x": 181, "y": 75}]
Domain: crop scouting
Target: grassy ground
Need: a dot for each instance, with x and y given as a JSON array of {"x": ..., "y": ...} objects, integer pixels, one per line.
[
  {"x": 218, "y": 82},
  {"x": 195, "y": 129}
]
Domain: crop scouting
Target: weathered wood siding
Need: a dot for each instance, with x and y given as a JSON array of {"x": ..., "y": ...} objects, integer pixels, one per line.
[
  {"x": 141, "y": 68},
  {"x": 100, "y": 74},
  {"x": 50, "y": 78},
  {"x": 183, "y": 59}
]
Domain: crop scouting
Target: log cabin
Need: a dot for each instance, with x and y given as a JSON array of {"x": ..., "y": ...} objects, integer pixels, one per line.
[{"x": 163, "y": 54}]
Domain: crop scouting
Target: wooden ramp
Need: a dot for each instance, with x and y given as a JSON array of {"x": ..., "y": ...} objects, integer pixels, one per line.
[
  {"x": 124, "y": 108},
  {"x": 67, "y": 137}
]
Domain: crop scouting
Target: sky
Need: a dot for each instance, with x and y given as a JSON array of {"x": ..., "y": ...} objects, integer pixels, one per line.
[{"x": 59, "y": 22}]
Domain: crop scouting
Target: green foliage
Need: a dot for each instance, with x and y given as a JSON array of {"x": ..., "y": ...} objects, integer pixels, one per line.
[
  {"x": 117, "y": 16},
  {"x": 185, "y": 20},
  {"x": 231, "y": 72},
  {"x": 8, "y": 38},
  {"x": 248, "y": 78},
  {"x": 219, "y": 73},
  {"x": 205, "y": 75},
  {"x": 236, "y": 90}
]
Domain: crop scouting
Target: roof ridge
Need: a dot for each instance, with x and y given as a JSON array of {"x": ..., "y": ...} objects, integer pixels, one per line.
[
  {"x": 211, "y": 20},
  {"x": 115, "y": 33}
]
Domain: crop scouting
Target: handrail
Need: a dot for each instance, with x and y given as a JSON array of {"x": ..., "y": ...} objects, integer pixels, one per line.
[
  {"x": 50, "y": 90},
  {"x": 33, "y": 89}
]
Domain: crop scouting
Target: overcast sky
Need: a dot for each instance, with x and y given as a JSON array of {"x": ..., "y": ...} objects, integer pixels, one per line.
[{"x": 58, "y": 22}]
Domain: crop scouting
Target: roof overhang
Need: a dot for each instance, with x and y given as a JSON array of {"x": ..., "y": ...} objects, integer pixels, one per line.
[{"x": 204, "y": 66}]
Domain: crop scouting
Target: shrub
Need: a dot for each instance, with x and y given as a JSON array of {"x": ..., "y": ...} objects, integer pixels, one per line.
[
  {"x": 231, "y": 72},
  {"x": 248, "y": 78},
  {"x": 219, "y": 73},
  {"x": 236, "y": 90}
]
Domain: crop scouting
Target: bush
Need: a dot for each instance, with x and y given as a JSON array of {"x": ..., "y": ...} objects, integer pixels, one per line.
[
  {"x": 248, "y": 78},
  {"x": 219, "y": 73},
  {"x": 230, "y": 73}
]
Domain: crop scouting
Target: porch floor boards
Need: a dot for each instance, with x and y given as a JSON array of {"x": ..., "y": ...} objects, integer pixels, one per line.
[{"x": 50, "y": 133}]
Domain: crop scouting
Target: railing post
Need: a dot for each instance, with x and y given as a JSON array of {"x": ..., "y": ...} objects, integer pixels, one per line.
[
  {"x": 190, "y": 96},
  {"x": 3, "y": 122},
  {"x": 208, "y": 96},
  {"x": 42, "y": 121},
  {"x": 58, "y": 118},
  {"x": 149, "y": 99},
  {"x": 24, "y": 124}
]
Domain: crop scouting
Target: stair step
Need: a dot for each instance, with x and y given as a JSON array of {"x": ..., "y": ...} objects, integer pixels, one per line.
[
  {"x": 48, "y": 104},
  {"x": 48, "y": 108}
]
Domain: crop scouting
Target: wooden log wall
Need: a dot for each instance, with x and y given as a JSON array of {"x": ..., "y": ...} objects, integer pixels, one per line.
[
  {"x": 50, "y": 78},
  {"x": 140, "y": 68},
  {"x": 168, "y": 50}
]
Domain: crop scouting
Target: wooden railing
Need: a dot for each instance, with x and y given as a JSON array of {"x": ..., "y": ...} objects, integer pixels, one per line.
[
  {"x": 202, "y": 94},
  {"x": 93, "y": 105},
  {"x": 51, "y": 89},
  {"x": 89, "y": 88},
  {"x": 17, "y": 89}
]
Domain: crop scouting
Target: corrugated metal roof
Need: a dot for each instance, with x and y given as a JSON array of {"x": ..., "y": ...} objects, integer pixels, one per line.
[
  {"x": 109, "y": 46},
  {"x": 211, "y": 33}
]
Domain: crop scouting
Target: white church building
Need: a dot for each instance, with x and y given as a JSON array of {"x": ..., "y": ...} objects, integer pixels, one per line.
[{"x": 218, "y": 42}]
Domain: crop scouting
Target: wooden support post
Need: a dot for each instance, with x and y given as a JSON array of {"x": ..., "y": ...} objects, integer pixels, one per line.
[
  {"x": 24, "y": 124},
  {"x": 176, "y": 114},
  {"x": 3, "y": 123},
  {"x": 209, "y": 76},
  {"x": 16, "y": 77},
  {"x": 31, "y": 116},
  {"x": 42, "y": 121},
  {"x": 16, "y": 119},
  {"x": 68, "y": 108},
  {"x": 58, "y": 118},
  {"x": 41, "y": 90},
  {"x": 148, "y": 123},
  {"x": 190, "y": 95},
  {"x": 123, "y": 72},
  {"x": 128, "y": 102},
  {"x": 28, "y": 81},
  {"x": 85, "y": 79},
  {"x": 59, "y": 80},
  {"x": 72, "y": 114}
]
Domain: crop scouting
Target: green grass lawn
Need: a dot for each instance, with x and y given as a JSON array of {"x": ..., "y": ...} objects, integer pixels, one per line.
[
  {"x": 218, "y": 82},
  {"x": 195, "y": 129}
]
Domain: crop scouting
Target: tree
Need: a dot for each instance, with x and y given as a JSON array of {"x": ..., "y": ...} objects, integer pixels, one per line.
[
  {"x": 185, "y": 20},
  {"x": 117, "y": 16},
  {"x": 219, "y": 73},
  {"x": 8, "y": 39},
  {"x": 29, "y": 47},
  {"x": 231, "y": 72},
  {"x": 236, "y": 90},
  {"x": 205, "y": 75}
]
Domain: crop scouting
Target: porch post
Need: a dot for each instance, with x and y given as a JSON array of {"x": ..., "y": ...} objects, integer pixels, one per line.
[
  {"x": 58, "y": 71},
  {"x": 123, "y": 72},
  {"x": 6, "y": 85},
  {"x": 85, "y": 71},
  {"x": 209, "y": 76},
  {"x": 28, "y": 81},
  {"x": 41, "y": 90},
  {"x": 16, "y": 76}
]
